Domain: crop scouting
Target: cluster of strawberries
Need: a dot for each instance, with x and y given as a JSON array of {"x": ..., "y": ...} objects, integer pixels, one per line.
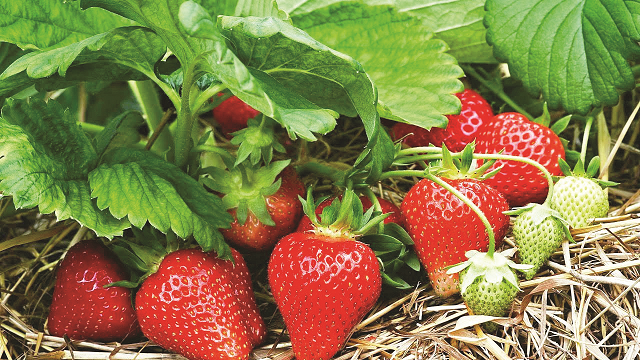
[{"x": 323, "y": 279}]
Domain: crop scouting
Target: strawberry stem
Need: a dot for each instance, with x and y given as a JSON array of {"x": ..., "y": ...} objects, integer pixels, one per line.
[
  {"x": 585, "y": 139},
  {"x": 376, "y": 206},
  {"x": 438, "y": 156},
  {"x": 474, "y": 207},
  {"x": 521, "y": 159}
]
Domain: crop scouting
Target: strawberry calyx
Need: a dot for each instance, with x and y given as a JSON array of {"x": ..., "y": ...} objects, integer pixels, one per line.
[
  {"x": 245, "y": 187},
  {"x": 143, "y": 253},
  {"x": 257, "y": 141},
  {"x": 463, "y": 166},
  {"x": 541, "y": 212},
  {"x": 589, "y": 173},
  {"x": 344, "y": 218},
  {"x": 494, "y": 268}
]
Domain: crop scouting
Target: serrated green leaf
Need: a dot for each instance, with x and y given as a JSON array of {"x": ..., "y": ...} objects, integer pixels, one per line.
[
  {"x": 166, "y": 197},
  {"x": 161, "y": 17},
  {"x": 414, "y": 76},
  {"x": 301, "y": 76},
  {"x": 574, "y": 52},
  {"x": 134, "y": 47},
  {"x": 48, "y": 24},
  {"x": 44, "y": 161},
  {"x": 458, "y": 23}
]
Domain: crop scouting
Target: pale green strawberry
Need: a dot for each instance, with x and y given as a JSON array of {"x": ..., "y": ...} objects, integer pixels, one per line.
[
  {"x": 489, "y": 284},
  {"x": 538, "y": 231},
  {"x": 578, "y": 197}
]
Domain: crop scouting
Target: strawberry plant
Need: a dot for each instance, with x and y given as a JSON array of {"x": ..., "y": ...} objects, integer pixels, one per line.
[{"x": 108, "y": 112}]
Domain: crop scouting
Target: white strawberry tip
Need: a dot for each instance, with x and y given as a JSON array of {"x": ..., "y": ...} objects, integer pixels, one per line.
[{"x": 494, "y": 268}]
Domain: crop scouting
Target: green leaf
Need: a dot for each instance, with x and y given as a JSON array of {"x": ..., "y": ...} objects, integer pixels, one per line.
[
  {"x": 414, "y": 76},
  {"x": 260, "y": 8},
  {"x": 133, "y": 47},
  {"x": 45, "y": 159},
  {"x": 165, "y": 196},
  {"x": 163, "y": 17},
  {"x": 48, "y": 24},
  {"x": 288, "y": 63},
  {"x": 458, "y": 23},
  {"x": 574, "y": 52}
]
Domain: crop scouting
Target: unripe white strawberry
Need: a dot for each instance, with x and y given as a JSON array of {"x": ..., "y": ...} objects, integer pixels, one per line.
[
  {"x": 579, "y": 200},
  {"x": 538, "y": 231},
  {"x": 579, "y": 197},
  {"x": 488, "y": 283}
]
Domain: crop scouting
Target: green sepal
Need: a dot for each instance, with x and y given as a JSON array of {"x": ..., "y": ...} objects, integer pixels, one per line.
[
  {"x": 129, "y": 284},
  {"x": 245, "y": 187},
  {"x": 593, "y": 167},
  {"x": 539, "y": 213},
  {"x": 559, "y": 126},
  {"x": 493, "y": 268},
  {"x": 545, "y": 118},
  {"x": 395, "y": 281},
  {"x": 564, "y": 167},
  {"x": 257, "y": 141},
  {"x": 578, "y": 170},
  {"x": 394, "y": 252}
]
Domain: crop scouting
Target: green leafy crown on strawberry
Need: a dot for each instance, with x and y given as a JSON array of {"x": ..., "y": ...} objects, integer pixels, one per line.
[{"x": 245, "y": 187}]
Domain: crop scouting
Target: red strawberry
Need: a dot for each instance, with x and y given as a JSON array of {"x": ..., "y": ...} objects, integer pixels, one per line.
[
  {"x": 387, "y": 208},
  {"x": 443, "y": 228},
  {"x": 283, "y": 207},
  {"x": 201, "y": 307},
  {"x": 82, "y": 308},
  {"x": 232, "y": 115},
  {"x": 460, "y": 131},
  {"x": 324, "y": 283},
  {"x": 520, "y": 183}
]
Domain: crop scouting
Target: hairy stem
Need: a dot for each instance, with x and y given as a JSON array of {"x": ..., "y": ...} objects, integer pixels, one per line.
[
  {"x": 435, "y": 156},
  {"x": 147, "y": 96},
  {"x": 585, "y": 139},
  {"x": 186, "y": 121}
]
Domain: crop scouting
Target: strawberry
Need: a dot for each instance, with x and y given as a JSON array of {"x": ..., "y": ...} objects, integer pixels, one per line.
[
  {"x": 488, "y": 282},
  {"x": 324, "y": 282},
  {"x": 82, "y": 308},
  {"x": 232, "y": 115},
  {"x": 578, "y": 197},
  {"x": 263, "y": 202},
  {"x": 538, "y": 231},
  {"x": 460, "y": 131},
  {"x": 387, "y": 208},
  {"x": 201, "y": 306},
  {"x": 443, "y": 228},
  {"x": 512, "y": 132}
]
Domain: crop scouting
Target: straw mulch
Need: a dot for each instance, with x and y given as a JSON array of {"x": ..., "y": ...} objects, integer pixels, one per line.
[{"x": 584, "y": 304}]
